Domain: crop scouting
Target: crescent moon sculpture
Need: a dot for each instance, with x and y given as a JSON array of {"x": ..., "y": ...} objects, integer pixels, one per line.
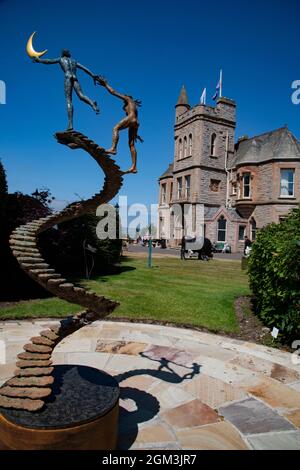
[{"x": 30, "y": 50}]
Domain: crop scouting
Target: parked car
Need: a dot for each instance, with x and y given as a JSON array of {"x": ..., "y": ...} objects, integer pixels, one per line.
[{"x": 221, "y": 247}]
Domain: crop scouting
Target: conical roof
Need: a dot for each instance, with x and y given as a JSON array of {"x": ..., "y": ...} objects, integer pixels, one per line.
[{"x": 182, "y": 99}]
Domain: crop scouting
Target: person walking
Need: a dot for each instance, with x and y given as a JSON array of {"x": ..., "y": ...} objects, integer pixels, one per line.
[
  {"x": 247, "y": 244},
  {"x": 182, "y": 250}
]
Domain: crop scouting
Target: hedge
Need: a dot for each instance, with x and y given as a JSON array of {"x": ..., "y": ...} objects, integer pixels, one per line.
[{"x": 274, "y": 272}]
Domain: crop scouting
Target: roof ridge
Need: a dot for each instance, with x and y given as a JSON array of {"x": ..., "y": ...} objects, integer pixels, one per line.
[{"x": 269, "y": 132}]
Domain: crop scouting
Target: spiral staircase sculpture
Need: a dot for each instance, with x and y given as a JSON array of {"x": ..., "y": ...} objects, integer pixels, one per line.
[{"x": 33, "y": 377}]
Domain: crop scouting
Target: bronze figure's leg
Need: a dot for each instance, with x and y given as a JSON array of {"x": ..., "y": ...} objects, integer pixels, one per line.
[
  {"x": 132, "y": 134},
  {"x": 84, "y": 98},
  {"x": 68, "y": 94},
  {"x": 115, "y": 136}
]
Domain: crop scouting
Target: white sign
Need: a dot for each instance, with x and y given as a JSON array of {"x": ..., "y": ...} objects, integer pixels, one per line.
[{"x": 274, "y": 332}]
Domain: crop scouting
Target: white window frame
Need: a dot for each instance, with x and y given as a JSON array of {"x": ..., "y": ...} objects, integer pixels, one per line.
[
  {"x": 292, "y": 170},
  {"x": 221, "y": 230},
  {"x": 187, "y": 178},
  {"x": 248, "y": 185},
  {"x": 179, "y": 187}
]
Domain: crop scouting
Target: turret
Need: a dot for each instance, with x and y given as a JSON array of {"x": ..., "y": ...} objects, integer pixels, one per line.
[{"x": 182, "y": 103}]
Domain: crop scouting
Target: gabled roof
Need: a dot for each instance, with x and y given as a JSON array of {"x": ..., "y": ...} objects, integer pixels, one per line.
[
  {"x": 211, "y": 212},
  {"x": 168, "y": 173},
  {"x": 280, "y": 144}
]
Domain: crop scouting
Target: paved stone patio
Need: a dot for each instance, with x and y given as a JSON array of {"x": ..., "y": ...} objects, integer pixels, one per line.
[{"x": 183, "y": 389}]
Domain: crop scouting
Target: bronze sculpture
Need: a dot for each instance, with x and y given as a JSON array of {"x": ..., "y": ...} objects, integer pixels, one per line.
[
  {"x": 31, "y": 385},
  {"x": 69, "y": 67},
  {"x": 130, "y": 122}
]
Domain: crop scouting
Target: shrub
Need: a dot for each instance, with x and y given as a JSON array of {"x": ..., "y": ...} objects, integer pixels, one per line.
[
  {"x": 3, "y": 181},
  {"x": 63, "y": 247},
  {"x": 274, "y": 271},
  {"x": 15, "y": 283}
]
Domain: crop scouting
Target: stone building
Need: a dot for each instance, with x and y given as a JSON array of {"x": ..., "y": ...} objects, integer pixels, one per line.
[{"x": 241, "y": 186}]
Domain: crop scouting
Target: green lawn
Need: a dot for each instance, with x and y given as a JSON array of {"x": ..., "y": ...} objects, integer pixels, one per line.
[{"x": 191, "y": 292}]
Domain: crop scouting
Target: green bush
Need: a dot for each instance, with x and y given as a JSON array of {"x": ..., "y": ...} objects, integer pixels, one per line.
[
  {"x": 63, "y": 247},
  {"x": 274, "y": 272}
]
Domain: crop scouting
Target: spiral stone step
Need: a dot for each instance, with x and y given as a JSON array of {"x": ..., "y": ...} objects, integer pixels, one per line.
[
  {"x": 30, "y": 392},
  {"x": 46, "y": 277},
  {"x": 42, "y": 341},
  {"x": 37, "y": 348},
  {"x": 34, "y": 363},
  {"x": 50, "y": 335},
  {"x": 35, "y": 266},
  {"x": 34, "y": 258},
  {"x": 55, "y": 282},
  {"x": 42, "y": 381},
  {"x": 26, "y": 364},
  {"x": 33, "y": 371},
  {"x": 34, "y": 356},
  {"x": 21, "y": 403}
]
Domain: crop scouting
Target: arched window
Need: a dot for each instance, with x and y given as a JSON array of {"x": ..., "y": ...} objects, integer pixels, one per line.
[
  {"x": 253, "y": 229},
  {"x": 190, "y": 145},
  {"x": 180, "y": 148},
  {"x": 222, "y": 229},
  {"x": 185, "y": 146},
  {"x": 213, "y": 145}
]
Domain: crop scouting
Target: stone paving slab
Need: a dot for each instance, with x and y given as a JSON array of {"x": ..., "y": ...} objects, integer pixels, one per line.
[
  {"x": 251, "y": 416},
  {"x": 276, "y": 441},
  {"x": 218, "y": 436},
  {"x": 181, "y": 388}
]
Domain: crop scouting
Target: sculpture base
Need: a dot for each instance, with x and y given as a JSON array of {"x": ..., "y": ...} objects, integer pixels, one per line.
[{"x": 81, "y": 413}]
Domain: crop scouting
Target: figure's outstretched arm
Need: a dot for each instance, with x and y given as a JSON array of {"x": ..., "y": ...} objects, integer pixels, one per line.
[
  {"x": 104, "y": 83},
  {"x": 86, "y": 70},
  {"x": 46, "y": 61}
]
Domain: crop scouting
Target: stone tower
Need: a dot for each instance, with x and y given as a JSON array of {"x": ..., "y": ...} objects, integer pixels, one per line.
[{"x": 204, "y": 148}]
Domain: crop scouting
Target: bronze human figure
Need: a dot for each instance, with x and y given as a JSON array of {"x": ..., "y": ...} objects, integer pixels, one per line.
[
  {"x": 130, "y": 122},
  {"x": 69, "y": 67}
]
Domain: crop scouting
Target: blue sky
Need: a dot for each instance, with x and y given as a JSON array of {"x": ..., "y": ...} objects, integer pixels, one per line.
[{"x": 147, "y": 49}]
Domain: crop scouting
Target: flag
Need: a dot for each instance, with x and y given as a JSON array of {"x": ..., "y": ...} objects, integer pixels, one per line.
[
  {"x": 203, "y": 97},
  {"x": 218, "y": 87}
]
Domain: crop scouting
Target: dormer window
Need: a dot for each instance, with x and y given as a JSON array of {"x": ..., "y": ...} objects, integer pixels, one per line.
[{"x": 213, "y": 145}]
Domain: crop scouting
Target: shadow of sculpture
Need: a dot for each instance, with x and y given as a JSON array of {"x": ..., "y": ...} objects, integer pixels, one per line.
[
  {"x": 168, "y": 375},
  {"x": 143, "y": 406}
]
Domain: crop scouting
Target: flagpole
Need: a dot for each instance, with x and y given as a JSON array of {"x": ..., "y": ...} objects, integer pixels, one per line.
[{"x": 221, "y": 83}]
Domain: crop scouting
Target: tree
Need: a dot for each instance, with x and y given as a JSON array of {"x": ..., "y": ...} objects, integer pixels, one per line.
[
  {"x": 3, "y": 181},
  {"x": 43, "y": 195},
  {"x": 15, "y": 284}
]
